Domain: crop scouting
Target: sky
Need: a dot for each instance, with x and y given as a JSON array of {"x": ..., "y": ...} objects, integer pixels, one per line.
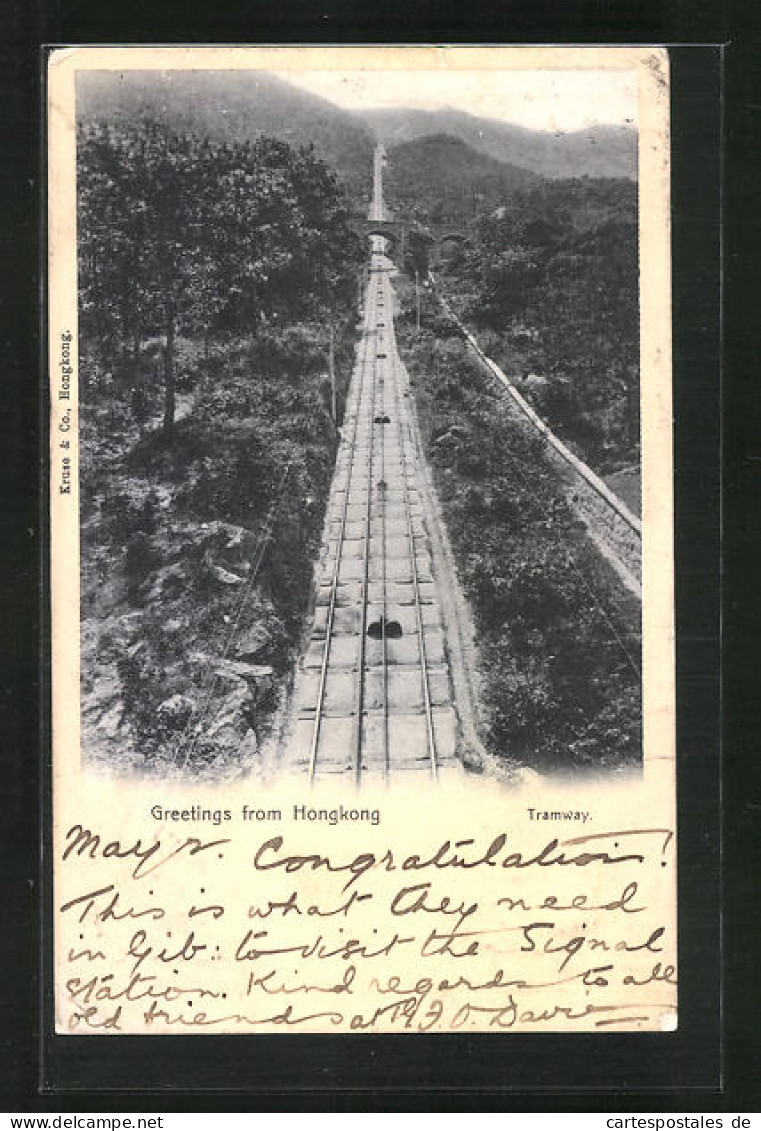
[{"x": 545, "y": 100}]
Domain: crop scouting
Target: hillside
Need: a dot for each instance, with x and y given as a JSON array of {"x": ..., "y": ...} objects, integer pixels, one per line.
[
  {"x": 448, "y": 180},
  {"x": 601, "y": 151},
  {"x": 550, "y": 287},
  {"x": 233, "y": 106},
  {"x": 558, "y": 638},
  {"x": 215, "y": 284}
]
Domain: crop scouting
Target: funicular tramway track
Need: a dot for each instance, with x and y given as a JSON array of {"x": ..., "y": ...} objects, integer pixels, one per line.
[
  {"x": 375, "y": 705},
  {"x": 373, "y": 698},
  {"x": 368, "y": 388}
]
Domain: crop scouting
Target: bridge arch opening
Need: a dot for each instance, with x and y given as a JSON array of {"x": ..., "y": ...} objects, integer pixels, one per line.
[
  {"x": 387, "y": 241},
  {"x": 452, "y": 245}
]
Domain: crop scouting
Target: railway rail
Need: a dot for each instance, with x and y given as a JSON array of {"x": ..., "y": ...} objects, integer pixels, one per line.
[{"x": 373, "y": 698}]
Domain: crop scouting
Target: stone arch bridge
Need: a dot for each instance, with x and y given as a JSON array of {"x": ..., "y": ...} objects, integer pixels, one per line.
[{"x": 398, "y": 233}]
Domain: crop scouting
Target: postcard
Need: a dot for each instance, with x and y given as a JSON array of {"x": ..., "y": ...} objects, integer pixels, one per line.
[{"x": 361, "y": 536}]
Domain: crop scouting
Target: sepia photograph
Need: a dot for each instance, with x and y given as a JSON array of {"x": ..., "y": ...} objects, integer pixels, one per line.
[
  {"x": 359, "y": 423},
  {"x": 361, "y": 533}
]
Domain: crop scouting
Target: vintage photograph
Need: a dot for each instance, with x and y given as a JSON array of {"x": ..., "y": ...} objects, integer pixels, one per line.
[
  {"x": 361, "y": 540},
  {"x": 359, "y": 423}
]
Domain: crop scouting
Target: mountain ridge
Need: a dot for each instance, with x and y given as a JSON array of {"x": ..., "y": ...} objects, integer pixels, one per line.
[
  {"x": 233, "y": 106},
  {"x": 442, "y": 178},
  {"x": 439, "y": 178},
  {"x": 239, "y": 105},
  {"x": 599, "y": 151}
]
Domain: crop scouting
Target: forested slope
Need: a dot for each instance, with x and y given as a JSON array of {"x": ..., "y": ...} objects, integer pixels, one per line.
[
  {"x": 235, "y": 107},
  {"x": 556, "y": 280},
  {"x": 212, "y": 277},
  {"x": 550, "y": 285},
  {"x": 441, "y": 178},
  {"x": 557, "y": 635}
]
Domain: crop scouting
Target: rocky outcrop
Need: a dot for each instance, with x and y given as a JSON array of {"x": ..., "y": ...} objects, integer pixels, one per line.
[{"x": 242, "y": 694}]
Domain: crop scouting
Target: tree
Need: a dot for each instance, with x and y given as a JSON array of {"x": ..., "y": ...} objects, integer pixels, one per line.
[
  {"x": 418, "y": 245},
  {"x": 141, "y": 212},
  {"x": 177, "y": 233}
]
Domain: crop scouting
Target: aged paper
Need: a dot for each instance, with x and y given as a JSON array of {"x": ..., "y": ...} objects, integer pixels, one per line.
[{"x": 310, "y": 886}]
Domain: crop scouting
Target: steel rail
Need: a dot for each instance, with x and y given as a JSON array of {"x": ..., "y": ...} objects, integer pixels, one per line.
[
  {"x": 358, "y": 745},
  {"x": 382, "y": 486},
  {"x": 430, "y": 731},
  {"x": 339, "y": 550},
  {"x": 382, "y": 281}
]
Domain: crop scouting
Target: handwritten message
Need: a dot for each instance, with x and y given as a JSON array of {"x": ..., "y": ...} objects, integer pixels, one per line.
[{"x": 241, "y": 928}]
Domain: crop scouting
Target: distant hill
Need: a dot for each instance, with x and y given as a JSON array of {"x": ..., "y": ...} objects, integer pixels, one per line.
[
  {"x": 600, "y": 151},
  {"x": 234, "y": 106},
  {"x": 446, "y": 179}
]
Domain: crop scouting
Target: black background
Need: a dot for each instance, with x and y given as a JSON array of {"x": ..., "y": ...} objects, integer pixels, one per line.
[{"x": 658, "y": 1072}]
